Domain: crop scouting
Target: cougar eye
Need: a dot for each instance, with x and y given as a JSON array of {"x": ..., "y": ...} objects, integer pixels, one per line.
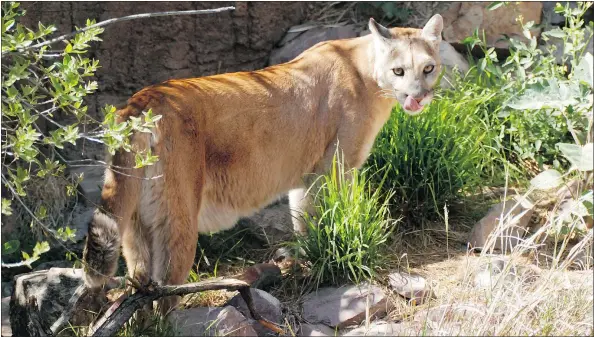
[
  {"x": 398, "y": 71},
  {"x": 428, "y": 69}
]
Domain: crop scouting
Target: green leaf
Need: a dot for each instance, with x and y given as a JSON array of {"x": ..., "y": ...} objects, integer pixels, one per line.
[
  {"x": 6, "y": 209},
  {"x": 10, "y": 247},
  {"x": 583, "y": 72},
  {"x": 26, "y": 256},
  {"x": 553, "y": 94},
  {"x": 546, "y": 180},
  {"x": 496, "y": 4},
  {"x": 557, "y": 32},
  {"x": 579, "y": 156},
  {"x": 40, "y": 248}
]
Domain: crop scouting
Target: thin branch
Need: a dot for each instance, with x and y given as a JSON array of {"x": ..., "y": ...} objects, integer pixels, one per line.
[
  {"x": 25, "y": 263},
  {"x": 126, "y": 18}
]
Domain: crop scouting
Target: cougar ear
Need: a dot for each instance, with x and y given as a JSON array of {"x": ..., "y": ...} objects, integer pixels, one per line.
[
  {"x": 433, "y": 28},
  {"x": 381, "y": 35}
]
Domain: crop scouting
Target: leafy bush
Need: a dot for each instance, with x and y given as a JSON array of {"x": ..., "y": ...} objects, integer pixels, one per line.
[
  {"x": 530, "y": 79},
  {"x": 43, "y": 111},
  {"x": 347, "y": 237},
  {"x": 434, "y": 157}
]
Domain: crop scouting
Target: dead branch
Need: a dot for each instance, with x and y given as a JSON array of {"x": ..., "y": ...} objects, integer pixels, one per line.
[{"x": 121, "y": 311}]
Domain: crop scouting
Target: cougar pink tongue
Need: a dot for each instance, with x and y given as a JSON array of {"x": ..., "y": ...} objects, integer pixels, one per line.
[{"x": 411, "y": 104}]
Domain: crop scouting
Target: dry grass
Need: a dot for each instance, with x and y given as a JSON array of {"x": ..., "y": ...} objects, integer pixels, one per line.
[{"x": 540, "y": 291}]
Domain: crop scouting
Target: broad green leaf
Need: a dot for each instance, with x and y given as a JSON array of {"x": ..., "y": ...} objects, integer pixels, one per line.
[
  {"x": 10, "y": 247},
  {"x": 553, "y": 94},
  {"x": 579, "y": 156},
  {"x": 546, "y": 180},
  {"x": 583, "y": 72},
  {"x": 40, "y": 248},
  {"x": 557, "y": 32}
]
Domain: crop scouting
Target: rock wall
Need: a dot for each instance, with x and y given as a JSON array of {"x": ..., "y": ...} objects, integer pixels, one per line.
[{"x": 137, "y": 53}]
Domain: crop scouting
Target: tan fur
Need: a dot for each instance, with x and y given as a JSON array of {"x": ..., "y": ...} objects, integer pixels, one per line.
[{"x": 230, "y": 144}]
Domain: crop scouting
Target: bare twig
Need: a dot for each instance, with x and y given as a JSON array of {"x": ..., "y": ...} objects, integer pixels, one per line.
[{"x": 126, "y": 18}]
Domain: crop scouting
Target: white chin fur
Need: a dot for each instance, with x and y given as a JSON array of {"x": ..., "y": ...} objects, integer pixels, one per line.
[{"x": 413, "y": 113}]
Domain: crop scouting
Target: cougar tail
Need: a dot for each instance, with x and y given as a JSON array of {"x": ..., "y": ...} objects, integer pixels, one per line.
[
  {"x": 119, "y": 201},
  {"x": 102, "y": 250}
]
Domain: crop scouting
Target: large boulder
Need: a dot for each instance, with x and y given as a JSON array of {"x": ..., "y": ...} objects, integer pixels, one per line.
[
  {"x": 462, "y": 18},
  {"x": 300, "y": 38},
  {"x": 6, "y": 330},
  {"x": 40, "y": 298},
  {"x": 506, "y": 222},
  {"x": 205, "y": 321},
  {"x": 345, "y": 306},
  {"x": 266, "y": 305},
  {"x": 390, "y": 329},
  {"x": 272, "y": 224},
  {"x": 411, "y": 286}
]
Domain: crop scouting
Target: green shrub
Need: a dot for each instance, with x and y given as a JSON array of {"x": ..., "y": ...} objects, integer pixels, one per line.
[
  {"x": 530, "y": 79},
  {"x": 39, "y": 84},
  {"x": 434, "y": 157},
  {"x": 347, "y": 237}
]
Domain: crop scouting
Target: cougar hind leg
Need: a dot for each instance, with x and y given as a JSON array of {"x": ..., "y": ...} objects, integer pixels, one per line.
[{"x": 174, "y": 237}]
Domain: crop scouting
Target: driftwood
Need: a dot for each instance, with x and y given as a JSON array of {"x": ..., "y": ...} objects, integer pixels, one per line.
[
  {"x": 60, "y": 294},
  {"x": 126, "y": 305},
  {"x": 123, "y": 309}
]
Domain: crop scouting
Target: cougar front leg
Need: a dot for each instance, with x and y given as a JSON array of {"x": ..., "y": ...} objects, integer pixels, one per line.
[{"x": 300, "y": 202}]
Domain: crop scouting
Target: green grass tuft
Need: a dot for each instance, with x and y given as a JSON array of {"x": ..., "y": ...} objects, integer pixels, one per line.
[
  {"x": 433, "y": 158},
  {"x": 346, "y": 238}
]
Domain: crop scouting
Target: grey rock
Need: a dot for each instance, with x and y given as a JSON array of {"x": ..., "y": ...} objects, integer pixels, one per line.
[
  {"x": 81, "y": 216},
  {"x": 204, "y": 321},
  {"x": 7, "y": 289},
  {"x": 452, "y": 61},
  {"x": 316, "y": 330},
  {"x": 411, "y": 286},
  {"x": 6, "y": 329},
  {"x": 558, "y": 53},
  {"x": 462, "y": 18},
  {"x": 390, "y": 329},
  {"x": 491, "y": 273},
  {"x": 513, "y": 226},
  {"x": 265, "y": 304},
  {"x": 297, "y": 44},
  {"x": 273, "y": 223},
  {"x": 40, "y": 297},
  {"x": 92, "y": 182},
  {"x": 550, "y": 17},
  {"x": 345, "y": 306},
  {"x": 53, "y": 264}
]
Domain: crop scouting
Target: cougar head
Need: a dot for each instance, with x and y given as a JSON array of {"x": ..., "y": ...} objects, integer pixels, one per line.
[{"x": 406, "y": 62}]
